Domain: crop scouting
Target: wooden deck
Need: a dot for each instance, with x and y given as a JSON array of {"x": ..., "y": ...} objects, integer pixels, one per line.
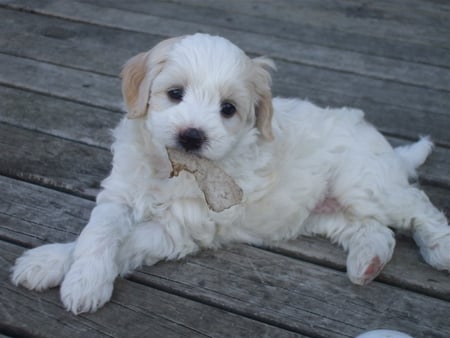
[{"x": 60, "y": 95}]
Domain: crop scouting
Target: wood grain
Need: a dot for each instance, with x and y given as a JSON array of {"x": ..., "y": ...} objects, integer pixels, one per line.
[
  {"x": 63, "y": 82},
  {"x": 58, "y": 117},
  {"x": 51, "y": 161},
  {"x": 135, "y": 311},
  {"x": 60, "y": 34},
  {"x": 316, "y": 82},
  {"x": 385, "y": 22},
  {"x": 275, "y": 287}
]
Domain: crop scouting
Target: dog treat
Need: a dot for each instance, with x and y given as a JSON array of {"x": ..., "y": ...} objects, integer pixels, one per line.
[{"x": 220, "y": 190}]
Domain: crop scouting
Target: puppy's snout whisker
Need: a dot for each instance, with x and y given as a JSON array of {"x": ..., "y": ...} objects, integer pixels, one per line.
[{"x": 192, "y": 139}]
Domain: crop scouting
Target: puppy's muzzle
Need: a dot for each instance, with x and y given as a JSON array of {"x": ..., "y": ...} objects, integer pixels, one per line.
[{"x": 191, "y": 139}]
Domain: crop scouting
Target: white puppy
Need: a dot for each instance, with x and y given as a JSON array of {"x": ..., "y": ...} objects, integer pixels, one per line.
[{"x": 304, "y": 170}]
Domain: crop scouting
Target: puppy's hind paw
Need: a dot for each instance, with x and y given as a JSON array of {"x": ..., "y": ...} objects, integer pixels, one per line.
[
  {"x": 362, "y": 271},
  {"x": 437, "y": 253},
  {"x": 372, "y": 271},
  {"x": 43, "y": 267},
  {"x": 370, "y": 250}
]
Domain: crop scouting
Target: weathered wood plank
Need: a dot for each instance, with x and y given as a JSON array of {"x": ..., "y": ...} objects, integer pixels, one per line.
[
  {"x": 299, "y": 80},
  {"x": 293, "y": 289},
  {"x": 310, "y": 44},
  {"x": 147, "y": 311},
  {"x": 82, "y": 86},
  {"x": 216, "y": 18},
  {"x": 62, "y": 42},
  {"x": 406, "y": 262},
  {"x": 58, "y": 117},
  {"x": 52, "y": 161},
  {"x": 59, "y": 34},
  {"x": 408, "y": 10},
  {"x": 31, "y": 215},
  {"x": 419, "y": 13},
  {"x": 364, "y": 18}
]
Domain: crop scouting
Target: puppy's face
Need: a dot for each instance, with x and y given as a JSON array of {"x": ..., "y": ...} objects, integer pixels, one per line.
[{"x": 199, "y": 93}]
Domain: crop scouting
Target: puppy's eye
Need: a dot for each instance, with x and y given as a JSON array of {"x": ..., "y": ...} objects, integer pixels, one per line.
[
  {"x": 175, "y": 94},
  {"x": 227, "y": 110}
]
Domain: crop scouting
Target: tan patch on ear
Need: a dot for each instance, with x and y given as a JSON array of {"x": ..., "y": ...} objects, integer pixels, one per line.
[
  {"x": 138, "y": 75},
  {"x": 264, "y": 112},
  {"x": 264, "y": 108},
  {"x": 133, "y": 75}
]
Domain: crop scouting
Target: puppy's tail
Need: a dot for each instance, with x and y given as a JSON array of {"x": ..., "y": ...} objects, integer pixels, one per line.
[{"x": 414, "y": 155}]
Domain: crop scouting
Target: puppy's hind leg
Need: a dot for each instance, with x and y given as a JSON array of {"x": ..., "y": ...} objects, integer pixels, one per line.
[
  {"x": 43, "y": 267},
  {"x": 370, "y": 248},
  {"x": 412, "y": 210},
  {"x": 369, "y": 244}
]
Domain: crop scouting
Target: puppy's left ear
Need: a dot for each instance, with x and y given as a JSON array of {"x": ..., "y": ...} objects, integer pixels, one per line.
[
  {"x": 264, "y": 109},
  {"x": 138, "y": 74}
]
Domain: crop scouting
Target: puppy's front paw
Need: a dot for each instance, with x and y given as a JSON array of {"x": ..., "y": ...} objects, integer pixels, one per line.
[
  {"x": 85, "y": 288},
  {"x": 43, "y": 267}
]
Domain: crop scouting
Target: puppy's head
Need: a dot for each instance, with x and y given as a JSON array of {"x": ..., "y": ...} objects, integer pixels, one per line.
[{"x": 199, "y": 93}]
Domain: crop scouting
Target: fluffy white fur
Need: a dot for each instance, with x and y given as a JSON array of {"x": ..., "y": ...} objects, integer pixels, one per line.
[{"x": 304, "y": 171}]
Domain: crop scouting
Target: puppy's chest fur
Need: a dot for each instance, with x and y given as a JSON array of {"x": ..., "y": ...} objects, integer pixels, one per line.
[{"x": 276, "y": 202}]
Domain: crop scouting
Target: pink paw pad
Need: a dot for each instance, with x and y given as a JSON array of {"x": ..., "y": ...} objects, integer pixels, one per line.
[{"x": 372, "y": 270}]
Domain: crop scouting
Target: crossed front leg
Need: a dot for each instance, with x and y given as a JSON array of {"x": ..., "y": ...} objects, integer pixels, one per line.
[
  {"x": 86, "y": 268},
  {"x": 109, "y": 245}
]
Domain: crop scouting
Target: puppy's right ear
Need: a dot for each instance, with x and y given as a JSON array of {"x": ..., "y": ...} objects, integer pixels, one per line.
[
  {"x": 263, "y": 109},
  {"x": 138, "y": 74}
]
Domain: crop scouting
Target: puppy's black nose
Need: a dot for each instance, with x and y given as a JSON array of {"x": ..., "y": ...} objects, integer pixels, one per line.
[{"x": 191, "y": 139}]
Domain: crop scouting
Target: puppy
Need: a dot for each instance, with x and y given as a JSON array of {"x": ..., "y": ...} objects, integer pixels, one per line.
[{"x": 304, "y": 170}]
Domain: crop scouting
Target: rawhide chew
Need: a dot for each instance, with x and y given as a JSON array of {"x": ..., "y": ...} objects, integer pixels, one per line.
[{"x": 220, "y": 190}]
